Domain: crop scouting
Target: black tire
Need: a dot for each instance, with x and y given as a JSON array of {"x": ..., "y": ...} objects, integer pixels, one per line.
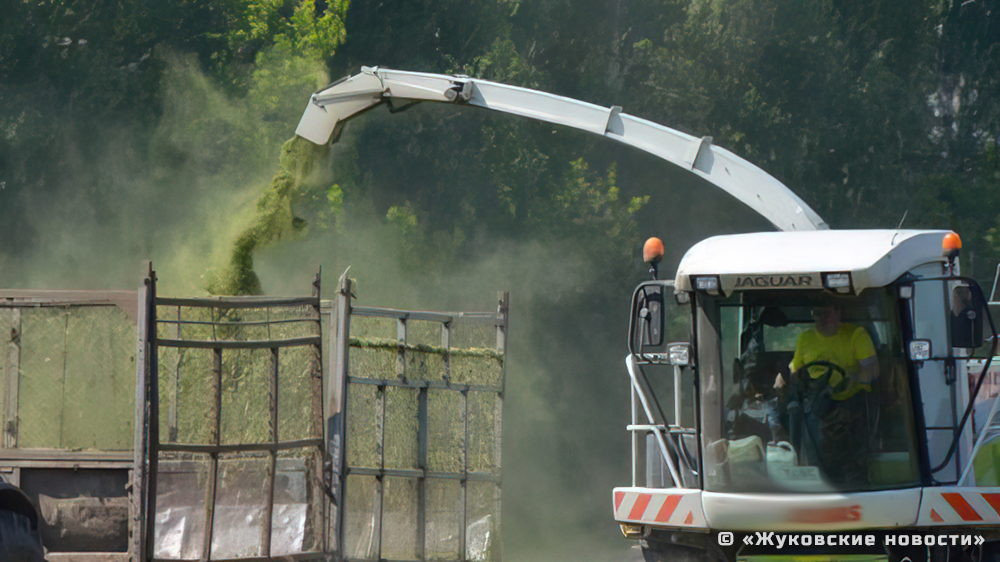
[
  {"x": 18, "y": 542},
  {"x": 660, "y": 552}
]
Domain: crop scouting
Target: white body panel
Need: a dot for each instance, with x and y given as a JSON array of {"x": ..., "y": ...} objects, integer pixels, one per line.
[
  {"x": 811, "y": 512},
  {"x": 874, "y": 258},
  {"x": 704, "y": 511},
  {"x": 328, "y": 109}
]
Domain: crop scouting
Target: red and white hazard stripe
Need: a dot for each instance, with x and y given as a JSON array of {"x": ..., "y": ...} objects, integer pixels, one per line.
[
  {"x": 668, "y": 507},
  {"x": 959, "y": 506}
]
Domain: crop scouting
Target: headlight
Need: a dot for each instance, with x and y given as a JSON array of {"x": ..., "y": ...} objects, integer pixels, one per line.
[
  {"x": 840, "y": 282},
  {"x": 680, "y": 354},
  {"x": 920, "y": 350},
  {"x": 707, "y": 283}
]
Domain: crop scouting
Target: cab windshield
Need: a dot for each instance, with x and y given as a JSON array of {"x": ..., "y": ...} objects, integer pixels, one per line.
[{"x": 805, "y": 391}]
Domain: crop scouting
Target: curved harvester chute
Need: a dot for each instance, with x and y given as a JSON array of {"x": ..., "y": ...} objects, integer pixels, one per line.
[{"x": 329, "y": 109}]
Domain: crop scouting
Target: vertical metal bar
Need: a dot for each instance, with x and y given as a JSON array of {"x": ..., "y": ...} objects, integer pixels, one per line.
[
  {"x": 213, "y": 466},
  {"x": 422, "y": 438},
  {"x": 62, "y": 397},
  {"x": 503, "y": 311},
  {"x": 337, "y": 400},
  {"x": 137, "y": 506},
  {"x": 446, "y": 344},
  {"x": 380, "y": 399},
  {"x": 272, "y": 474},
  {"x": 153, "y": 416},
  {"x": 174, "y": 385},
  {"x": 678, "y": 396},
  {"x": 316, "y": 509},
  {"x": 464, "y": 508},
  {"x": 635, "y": 438},
  {"x": 320, "y": 505},
  {"x": 401, "y": 374},
  {"x": 316, "y": 386},
  {"x": 502, "y": 333},
  {"x": 401, "y": 350},
  {"x": 13, "y": 380}
]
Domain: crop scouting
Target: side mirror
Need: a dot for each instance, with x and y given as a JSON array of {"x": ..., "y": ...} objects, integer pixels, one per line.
[
  {"x": 651, "y": 315},
  {"x": 967, "y": 314}
]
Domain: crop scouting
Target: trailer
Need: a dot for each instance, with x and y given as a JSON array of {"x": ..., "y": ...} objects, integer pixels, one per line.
[{"x": 139, "y": 427}]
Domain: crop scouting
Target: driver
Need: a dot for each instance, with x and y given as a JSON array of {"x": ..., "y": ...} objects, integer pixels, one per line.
[{"x": 841, "y": 439}]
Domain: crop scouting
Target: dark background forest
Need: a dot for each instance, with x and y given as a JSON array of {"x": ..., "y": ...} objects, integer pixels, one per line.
[{"x": 147, "y": 129}]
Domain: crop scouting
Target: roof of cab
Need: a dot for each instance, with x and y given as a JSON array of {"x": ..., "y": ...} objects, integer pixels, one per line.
[{"x": 875, "y": 258}]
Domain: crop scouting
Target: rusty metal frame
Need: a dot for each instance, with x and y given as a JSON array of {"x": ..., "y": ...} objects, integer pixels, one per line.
[
  {"x": 216, "y": 447},
  {"x": 337, "y": 401}
]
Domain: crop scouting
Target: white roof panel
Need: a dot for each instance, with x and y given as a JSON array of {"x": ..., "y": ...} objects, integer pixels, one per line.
[{"x": 875, "y": 258}]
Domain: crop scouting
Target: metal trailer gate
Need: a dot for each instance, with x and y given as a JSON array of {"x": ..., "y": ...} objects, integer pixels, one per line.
[
  {"x": 237, "y": 434},
  {"x": 67, "y": 394},
  {"x": 418, "y": 475},
  {"x": 146, "y": 428}
]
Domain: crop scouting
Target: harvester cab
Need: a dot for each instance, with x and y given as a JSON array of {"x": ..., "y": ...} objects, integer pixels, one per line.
[{"x": 822, "y": 385}]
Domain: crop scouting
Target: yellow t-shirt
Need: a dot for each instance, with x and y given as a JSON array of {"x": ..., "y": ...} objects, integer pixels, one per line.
[{"x": 847, "y": 349}]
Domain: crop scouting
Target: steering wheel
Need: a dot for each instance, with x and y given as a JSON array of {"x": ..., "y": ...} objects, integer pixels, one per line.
[
  {"x": 809, "y": 398},
  {"x": 809, "y": 390}
]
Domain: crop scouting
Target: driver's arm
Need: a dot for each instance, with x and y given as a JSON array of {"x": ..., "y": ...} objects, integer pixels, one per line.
[
  {"x": 869, "y": 370},
  {"x": 796, "y": 363},
  {"x": 864, "y": 351}
]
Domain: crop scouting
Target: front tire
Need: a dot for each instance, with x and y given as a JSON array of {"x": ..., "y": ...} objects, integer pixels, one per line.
[{"x": 662, "y": 552}]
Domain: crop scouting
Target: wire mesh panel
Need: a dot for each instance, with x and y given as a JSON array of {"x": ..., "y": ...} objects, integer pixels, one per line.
[
  {"x": 240, "y": 447},
  {"x": 67, "y": 397},
  {"x": 75, "y": 375},
  {"x": 420, "y": 397}
]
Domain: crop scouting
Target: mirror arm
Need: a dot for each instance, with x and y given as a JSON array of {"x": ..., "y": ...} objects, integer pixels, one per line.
[{"x": 633, "y": 313}]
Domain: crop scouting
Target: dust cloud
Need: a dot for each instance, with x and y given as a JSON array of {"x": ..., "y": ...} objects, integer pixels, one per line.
[{"x": 183, "y": 193}]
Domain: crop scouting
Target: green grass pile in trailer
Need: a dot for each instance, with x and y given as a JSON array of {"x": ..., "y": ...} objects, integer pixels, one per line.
[
  {"x": 66, "y": 359},
  {"x": 186, "y": 392}
]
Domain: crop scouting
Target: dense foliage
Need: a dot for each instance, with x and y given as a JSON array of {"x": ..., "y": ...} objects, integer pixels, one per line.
[{"x": 137, "y": 129}]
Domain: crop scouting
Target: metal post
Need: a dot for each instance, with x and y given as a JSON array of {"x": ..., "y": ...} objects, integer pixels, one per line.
[
  {"x": 62, "y": 398},
  {"x": 380, "y": 400},
  {"x": 318, "y": 412},
  {"x": 464, "y": 511},
  {"x": 336, "y": 402},
  {"x": 401, "y": 350},
  {"x": 636, "y": 443},
  {"x": 503, "y": 311},
  {"x": 214, "y": 456},
  {"x": 422, "y": 438},
  {"x": 175, "y": 377},
  {"x": 139, "y": 513},
  {"x": 13, "y": 380},
  {"x": 152, "y": 390},
  {"x": 272, "y": 474},
  {"x": 678, "y": 394},
  {"x": 502, "y": 333},
  {"x": 446, "y": 344}
]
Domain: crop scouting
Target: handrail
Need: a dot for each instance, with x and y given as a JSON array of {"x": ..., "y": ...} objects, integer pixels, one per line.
[{"x": 634, "y": 373}]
